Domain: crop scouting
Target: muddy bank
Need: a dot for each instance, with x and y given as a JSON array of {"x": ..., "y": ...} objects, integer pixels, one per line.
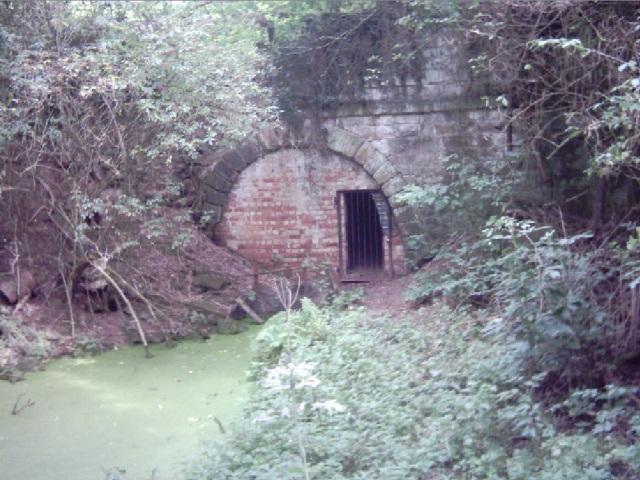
[{"x": 173, "y": 292}]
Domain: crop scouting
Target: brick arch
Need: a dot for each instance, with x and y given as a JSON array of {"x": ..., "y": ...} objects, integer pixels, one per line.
[{"x": 222, "y": 169}]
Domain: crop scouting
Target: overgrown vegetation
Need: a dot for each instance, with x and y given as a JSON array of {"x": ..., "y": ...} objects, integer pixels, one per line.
[
  {"x": 443, "y": 397},
  {"x": 560, "y": 270},
  {"x": 327, "y": 53},
  {"x": 563, "y": 277},
  {"x": 532, "y": 370},
  {"x": 534, "y": 373},
  {"x": 105, "y": 108},
  {"x": 570, "y": 74}
]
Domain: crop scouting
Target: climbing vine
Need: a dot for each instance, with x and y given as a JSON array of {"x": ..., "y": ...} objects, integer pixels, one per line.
[
  {"x": 570, "y": 77},
  {"x": 339, "y": 52}
]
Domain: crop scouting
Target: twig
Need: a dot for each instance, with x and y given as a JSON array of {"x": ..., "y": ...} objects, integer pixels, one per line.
[
  {"x": 147, "y": 302},
  {"x": 18, "y": 409},
  {"x": 288, "y": 299},
  {"x": 20, "y": 304},
  {"x": 15, "y": 262},
  {"x": 249, "y": 311},
  {"x": 126, "y": 300},
  {"x": 67, "y": 292},
  {"x": 220, "y": 426}
]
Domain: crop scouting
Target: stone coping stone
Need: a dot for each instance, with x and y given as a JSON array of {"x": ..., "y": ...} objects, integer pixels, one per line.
[
  {"x": 222, "y": 168},
  {"x": 393, "y": 185},
  {"x": 385, "y": 173},
  {"x": 217, "y": 181},
  {"x": 213, "y": 197},
  {"x": 343, "y": 142},
  {"x": 375, "y": 162},
  {"x": 411, "y": 107},
  {"x": 214, "y": 212},
  {"x": 368, "y": 151}
]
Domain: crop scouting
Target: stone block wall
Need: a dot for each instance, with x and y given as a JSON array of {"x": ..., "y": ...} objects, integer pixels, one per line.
[
  {"x": 272, "y": 198},
  {"x": 418, "y": 144},
  {"x": 418, "y": 124}
]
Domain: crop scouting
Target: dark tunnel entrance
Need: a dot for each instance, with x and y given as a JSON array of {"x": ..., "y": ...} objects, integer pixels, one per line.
[{"x": 364, "y": 236}]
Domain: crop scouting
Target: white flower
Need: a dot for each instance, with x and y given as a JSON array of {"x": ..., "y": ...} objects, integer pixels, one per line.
[
  {"x": 302, "y": 370},
  {"x": 308, "y": 382},
  {"x": 262, "y": 417},
  {"x": 277, "y": 378},
  {"x": 298, "y": 375},
  {"x": 331, "y": 406}
]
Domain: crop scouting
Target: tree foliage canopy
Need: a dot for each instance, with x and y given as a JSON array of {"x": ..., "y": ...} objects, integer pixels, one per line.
[{"x": 105, "y": 106}]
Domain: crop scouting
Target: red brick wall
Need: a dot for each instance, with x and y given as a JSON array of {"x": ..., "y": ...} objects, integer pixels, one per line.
[{"x": 281, "y": 211}]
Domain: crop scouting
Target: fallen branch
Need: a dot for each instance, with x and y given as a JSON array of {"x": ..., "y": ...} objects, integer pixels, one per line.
[
  {"x": 126, "y": 300},
  {"x": 67, "y": 292},
  {"x": 249, "y": 311},
  {"x": 17, "y": 408},
  {"x": 139, "y": 294}
]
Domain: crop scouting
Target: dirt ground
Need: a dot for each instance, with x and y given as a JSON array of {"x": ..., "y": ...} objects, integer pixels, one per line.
[
  {"x": 39, "y": 326},
  {"x": 388, "y": 296}
]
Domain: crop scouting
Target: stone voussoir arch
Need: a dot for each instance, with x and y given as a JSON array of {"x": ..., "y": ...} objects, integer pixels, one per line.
[{"x": 222, "y": 169}]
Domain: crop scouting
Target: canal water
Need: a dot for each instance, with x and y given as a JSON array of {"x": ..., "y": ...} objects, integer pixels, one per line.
[{"x": 145, "y": 417}]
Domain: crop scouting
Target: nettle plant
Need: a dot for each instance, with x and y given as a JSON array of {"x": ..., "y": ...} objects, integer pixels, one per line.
[
  {"x": 547, "y": 296},
  {"x": 458, "y": 206},
  {"x": 441, "y": 396},
  {"x": 278, "y": 438},
  {"x": 569, "y": 304}
]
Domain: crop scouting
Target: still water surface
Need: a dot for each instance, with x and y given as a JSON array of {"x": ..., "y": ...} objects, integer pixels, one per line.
[{"x": 118, "y": 409}]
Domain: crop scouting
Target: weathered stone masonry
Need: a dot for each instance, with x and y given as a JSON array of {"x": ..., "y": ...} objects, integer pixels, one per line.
[
  {"x": 271, "y": 198},
  {"x": 275, "y": 194},
  {"x": 282, "y": 209}
]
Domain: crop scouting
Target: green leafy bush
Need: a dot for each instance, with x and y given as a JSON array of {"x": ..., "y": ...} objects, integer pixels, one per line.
[
  {"x": 438, "y": 398},
  {"x": 309, "y": 324},
  {"x": 457, "y": 206},
  {"x": 569, "y": 303},
  {"x": 22, "y": 347}
]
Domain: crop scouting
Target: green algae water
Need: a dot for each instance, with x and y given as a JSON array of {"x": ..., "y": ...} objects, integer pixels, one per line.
[{"x": 147, "y": 417}]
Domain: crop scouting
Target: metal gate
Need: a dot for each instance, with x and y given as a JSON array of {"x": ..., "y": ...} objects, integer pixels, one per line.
[{"x": 364, "y": 222}]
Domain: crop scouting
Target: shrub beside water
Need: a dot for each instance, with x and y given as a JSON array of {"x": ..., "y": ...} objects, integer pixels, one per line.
[
  {"x": 342, "y": 395},
  {"x": 22, "y": 347}
]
